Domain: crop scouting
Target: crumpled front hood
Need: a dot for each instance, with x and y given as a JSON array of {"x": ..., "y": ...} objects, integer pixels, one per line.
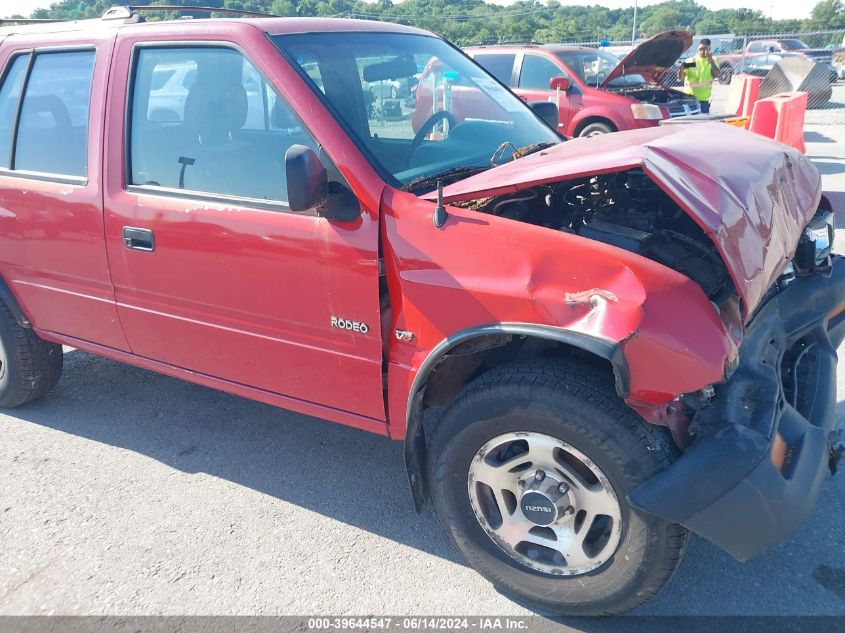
[
  {"x": 752, "y": 196},
  {"x": 653, "y": 58}
]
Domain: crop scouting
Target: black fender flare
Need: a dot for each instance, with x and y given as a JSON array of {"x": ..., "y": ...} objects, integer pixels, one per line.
[
  {"x": 9, "y": 299},
  {"x": 416, "y": 446}
]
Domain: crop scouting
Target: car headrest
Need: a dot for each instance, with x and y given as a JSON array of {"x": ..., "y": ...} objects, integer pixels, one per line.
[
  {"x": 47, "y": 104},
  {"x": 282, "y": 117},
  {"x": 213, "y": 111}
]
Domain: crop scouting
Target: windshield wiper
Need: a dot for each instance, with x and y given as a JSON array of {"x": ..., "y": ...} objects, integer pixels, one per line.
[{"x": 427, "y": 183}]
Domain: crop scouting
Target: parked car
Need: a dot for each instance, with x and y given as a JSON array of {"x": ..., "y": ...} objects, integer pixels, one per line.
[
  {"x": 788, "y": 72},
  {"x": 760, "y": 65},
  {"x": 171, "y": 84},
  {"x": 589, "y": 348},
  {"x": 393, "y": 88},
  {"x": 596, "y": 93},
  {"x": 729, "y": 62},
  {"x": 788, "y": 45}
]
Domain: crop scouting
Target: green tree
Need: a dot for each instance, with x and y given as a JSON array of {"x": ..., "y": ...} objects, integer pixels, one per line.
[
  {"x": 472, "y": 21},
  {"x": 827, "y": 15}
]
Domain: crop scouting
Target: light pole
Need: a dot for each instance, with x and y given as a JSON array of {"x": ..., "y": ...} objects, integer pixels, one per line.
[{"x": 634, "y": 27}]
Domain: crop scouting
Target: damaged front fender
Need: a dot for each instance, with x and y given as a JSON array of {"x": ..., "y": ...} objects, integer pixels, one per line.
[{"x": 485, "y": 274}]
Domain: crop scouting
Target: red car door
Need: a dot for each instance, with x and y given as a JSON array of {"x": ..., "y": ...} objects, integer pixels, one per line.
[
  {"x": 212, "y": 271},
  {"x": 532, "y": 85}
]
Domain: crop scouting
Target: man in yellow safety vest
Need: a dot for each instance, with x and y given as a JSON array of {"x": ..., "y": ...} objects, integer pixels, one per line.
[{"x": 698, "y": 74}]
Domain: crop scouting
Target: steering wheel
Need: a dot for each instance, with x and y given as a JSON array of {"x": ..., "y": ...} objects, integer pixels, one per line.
[{"x": 425, "y": 130}]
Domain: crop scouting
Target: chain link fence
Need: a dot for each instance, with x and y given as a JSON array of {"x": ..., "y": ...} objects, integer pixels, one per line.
[{"x": 813, "y": 62}]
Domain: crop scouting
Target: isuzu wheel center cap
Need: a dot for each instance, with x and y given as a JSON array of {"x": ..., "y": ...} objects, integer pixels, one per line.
[{"x": 538, "y": 508}]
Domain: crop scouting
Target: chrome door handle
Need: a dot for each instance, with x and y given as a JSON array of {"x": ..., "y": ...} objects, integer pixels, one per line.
[{"x": 138, "y": 239}]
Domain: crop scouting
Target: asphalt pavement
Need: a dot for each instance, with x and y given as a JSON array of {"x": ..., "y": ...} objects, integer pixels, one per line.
[{"x": 125, "y": 492}]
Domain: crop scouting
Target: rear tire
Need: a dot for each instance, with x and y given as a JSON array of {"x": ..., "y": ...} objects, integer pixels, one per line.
[
  {"x": 29, "y": 365},
  {"x": 576, "y": 406}
]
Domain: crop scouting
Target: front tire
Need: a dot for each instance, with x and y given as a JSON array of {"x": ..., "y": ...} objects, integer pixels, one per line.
[
  {"x": 596, "y": 129},
  {"x": 29, "y": 365},
  {"x": 554, "y": 435}
]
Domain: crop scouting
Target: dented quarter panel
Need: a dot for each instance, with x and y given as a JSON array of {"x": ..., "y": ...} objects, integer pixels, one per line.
[
  {"x": 442, "y": 281},
  {"x": 752, "y": 201}
]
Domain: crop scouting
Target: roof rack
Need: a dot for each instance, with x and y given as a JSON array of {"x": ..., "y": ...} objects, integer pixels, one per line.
[
  {"x": 115, "y": 17},
  {"x": 128, "y": 12},
  {"x": 506, "y": 43}
]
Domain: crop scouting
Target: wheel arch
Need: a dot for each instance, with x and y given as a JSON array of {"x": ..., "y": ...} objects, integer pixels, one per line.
[
  {"x": 589, "y": 120},
  {"x": 9, "y": 299},
  {"x": 497, "y": 343}
]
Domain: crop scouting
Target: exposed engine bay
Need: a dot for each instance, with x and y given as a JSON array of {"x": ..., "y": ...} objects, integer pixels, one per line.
[
  {"x": 653, "y": 94},
  {"x": 627, "y": 210}
]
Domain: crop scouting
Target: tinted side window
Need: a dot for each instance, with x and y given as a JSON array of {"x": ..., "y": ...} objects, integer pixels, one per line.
[
  {"x": 537, "y": 71},
  {"x": 204, "y": 119},
  {"x": 500, "y": 65},
  {"x": 53, "y": 128},
  {"x": 756, "y": 47},
  {"x": 10, "y": 93}
]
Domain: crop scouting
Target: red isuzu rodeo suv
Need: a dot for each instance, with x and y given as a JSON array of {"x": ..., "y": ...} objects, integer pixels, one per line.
[{"x": 589, "y": 348}]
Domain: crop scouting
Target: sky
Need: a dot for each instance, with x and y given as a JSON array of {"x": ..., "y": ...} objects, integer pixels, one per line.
[{"x": 777, "y": 9}]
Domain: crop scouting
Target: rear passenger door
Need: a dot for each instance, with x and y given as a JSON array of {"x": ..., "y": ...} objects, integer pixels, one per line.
[
  {"x": 52, "y": 252},
  {"x": 212, "y": 271}
]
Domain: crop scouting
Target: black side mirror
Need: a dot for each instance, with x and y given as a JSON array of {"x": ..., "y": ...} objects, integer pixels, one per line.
[
  {"x": 308, "y": 186},
  {"x": 547, "y": 111}
]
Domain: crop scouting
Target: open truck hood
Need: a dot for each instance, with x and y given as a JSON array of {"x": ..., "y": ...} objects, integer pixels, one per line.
[
  {"x": 653, "y": 58},
  {"x": 751, "y": 196}
]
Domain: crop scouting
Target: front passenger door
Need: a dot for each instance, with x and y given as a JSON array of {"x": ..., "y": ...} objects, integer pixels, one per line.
[
  {"x": 212, "y": 271},
  {"x": 533, "y": 85}
]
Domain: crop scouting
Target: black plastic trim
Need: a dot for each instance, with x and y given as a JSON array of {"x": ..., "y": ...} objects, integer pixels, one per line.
[
  {"x": 726, "y": 486},
  {"x": 415, "y": 442},
  {"x": 9, "y": 299}
]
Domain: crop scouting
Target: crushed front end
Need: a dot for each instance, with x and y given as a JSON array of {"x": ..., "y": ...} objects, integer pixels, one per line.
[
  {"x": 752, "y": 231},
  {"x": 767, "y": 437}
]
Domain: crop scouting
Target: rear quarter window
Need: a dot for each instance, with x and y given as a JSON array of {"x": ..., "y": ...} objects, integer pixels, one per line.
[{"x": 500, "y": 65}]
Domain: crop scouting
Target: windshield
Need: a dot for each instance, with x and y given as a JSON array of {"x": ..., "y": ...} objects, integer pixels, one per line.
[
  {"x": 592, "y": 66},
  {"x": 793, "y": 45},
  {"x": 415, "y": 105}
]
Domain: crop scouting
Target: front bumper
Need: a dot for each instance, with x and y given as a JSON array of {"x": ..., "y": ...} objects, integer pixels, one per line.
[{"x": 764, "y": 443}]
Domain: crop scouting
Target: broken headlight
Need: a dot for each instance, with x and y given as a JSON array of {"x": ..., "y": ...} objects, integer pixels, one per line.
[{"x": 816, "y": 244}]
